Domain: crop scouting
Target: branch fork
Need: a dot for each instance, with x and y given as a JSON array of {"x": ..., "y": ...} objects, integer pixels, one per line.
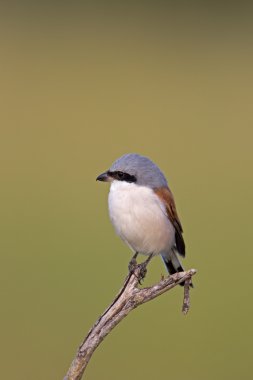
[{"x": 129, "y": 297}]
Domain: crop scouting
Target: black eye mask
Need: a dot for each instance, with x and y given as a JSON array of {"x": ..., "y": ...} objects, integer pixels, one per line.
[{"x": 121, "y": 176}]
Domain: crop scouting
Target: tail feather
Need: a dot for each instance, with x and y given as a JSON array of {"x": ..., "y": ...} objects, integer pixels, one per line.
[{"x": 173, "y": 264}]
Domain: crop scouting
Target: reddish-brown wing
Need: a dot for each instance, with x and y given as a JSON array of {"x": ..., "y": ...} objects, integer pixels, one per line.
[{"x": 166, "y": 196}]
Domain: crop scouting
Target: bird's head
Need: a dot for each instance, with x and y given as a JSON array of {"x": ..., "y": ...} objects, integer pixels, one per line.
[{"x": 133, "y": 168}]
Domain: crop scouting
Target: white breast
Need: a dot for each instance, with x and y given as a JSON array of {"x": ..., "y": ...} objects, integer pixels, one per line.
[{"x": 139, "y": 218}]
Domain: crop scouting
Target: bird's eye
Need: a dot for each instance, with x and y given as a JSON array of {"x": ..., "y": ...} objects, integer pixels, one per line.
[{"x": 120, "y": 175}]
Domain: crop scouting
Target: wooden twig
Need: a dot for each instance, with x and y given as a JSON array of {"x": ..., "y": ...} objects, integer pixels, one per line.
[
  {"x": 129, "y": 297},
  {"x": 186, "y": 302}
]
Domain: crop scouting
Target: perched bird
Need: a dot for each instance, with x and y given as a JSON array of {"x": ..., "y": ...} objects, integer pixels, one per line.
[{"x": 143, "y": 211}]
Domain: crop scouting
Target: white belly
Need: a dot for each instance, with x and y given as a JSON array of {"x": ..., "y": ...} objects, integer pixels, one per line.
[{"x": 140, "y": 219}]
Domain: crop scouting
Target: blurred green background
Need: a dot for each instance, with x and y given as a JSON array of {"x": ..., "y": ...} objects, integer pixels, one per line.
[{"x": 82, "y": 84}]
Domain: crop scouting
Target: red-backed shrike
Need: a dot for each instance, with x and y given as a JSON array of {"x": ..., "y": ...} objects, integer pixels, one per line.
[{"x": 143, "y": 211}]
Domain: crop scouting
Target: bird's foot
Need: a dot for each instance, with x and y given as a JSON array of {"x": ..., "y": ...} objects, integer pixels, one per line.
[
  {"x": 132, "y": 266},
  {"x": 142, "y": 271},
  {"x": 142, "y": 268},
  {"x": 138, "y": 270},
  {"x": 133, "y": 263}
]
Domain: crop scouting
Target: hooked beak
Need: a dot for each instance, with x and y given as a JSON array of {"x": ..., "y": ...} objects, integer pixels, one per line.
[{"x": 104, "y": 177}]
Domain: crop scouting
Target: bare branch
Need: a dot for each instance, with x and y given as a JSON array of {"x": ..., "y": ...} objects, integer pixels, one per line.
[
  {"x": 129, "y": 297},
  {"x": 186, "y": 303}
]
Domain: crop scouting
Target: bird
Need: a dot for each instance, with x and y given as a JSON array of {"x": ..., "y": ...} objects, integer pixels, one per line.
[{"x": 142, "y": 210}]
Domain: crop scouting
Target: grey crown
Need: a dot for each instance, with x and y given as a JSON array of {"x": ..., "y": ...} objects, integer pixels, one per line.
[{"x": 146, "y": 172}]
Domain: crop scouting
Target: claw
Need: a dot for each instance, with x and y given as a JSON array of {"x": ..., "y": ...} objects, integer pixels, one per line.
[
  {"x": 142, "y": 267},
  {"x": 132, "y": 266},
  {"x": 133, "y": 263},
  {"x": 143, "y": 272}
]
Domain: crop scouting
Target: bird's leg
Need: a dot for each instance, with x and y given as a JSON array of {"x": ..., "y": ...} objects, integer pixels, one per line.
[
  {"x": 143, "y": 268},
  {"x": 133, "y": 263}
]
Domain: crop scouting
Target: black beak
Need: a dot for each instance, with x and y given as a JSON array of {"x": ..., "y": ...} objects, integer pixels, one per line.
[{"x": 104, "y": 177}]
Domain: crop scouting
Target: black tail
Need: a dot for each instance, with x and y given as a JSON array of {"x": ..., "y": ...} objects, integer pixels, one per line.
[{"x": 173, "y": 264}]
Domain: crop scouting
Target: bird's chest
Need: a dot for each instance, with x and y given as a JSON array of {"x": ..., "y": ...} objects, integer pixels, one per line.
[
  {"x": 129, "y": 203},
  {"x": 138, "y": 216}
]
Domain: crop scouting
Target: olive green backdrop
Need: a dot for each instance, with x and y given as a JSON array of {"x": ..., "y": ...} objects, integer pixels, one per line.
[{"x": 81, "y": 84}]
